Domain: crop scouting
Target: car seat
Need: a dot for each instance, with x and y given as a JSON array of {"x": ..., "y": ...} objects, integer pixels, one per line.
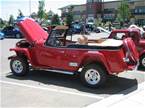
[{"x": 83, "y": 40}]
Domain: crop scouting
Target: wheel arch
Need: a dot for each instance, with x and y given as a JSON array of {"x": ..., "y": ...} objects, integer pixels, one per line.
[
  {"x": 21, "y": 52},
  {"x": 98, "y": 59},
  {"x": 19, "y": 66},
  {"x": 142, "y": 53}
]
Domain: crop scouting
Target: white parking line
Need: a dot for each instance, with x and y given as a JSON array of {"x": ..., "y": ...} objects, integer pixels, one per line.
[{"x": 54, "y": 90}]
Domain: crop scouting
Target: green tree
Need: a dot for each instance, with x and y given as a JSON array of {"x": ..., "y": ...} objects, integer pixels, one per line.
[
  {"x": 2, "y": 23},
  {"x": 33, "y": 15},
  {"x": 123, "y": 12},
  {"x": 69, "y": 15},
  {"x": 98, "y": 22},
  {"x": 11, "y": 20},
  {"x": 46, "y": 15},
  {"x": 41, "y": 10},
  {"x": 50, "y": 14},
  {"x": 55, "y": 20},
  {"x": 69, "y": 18}
]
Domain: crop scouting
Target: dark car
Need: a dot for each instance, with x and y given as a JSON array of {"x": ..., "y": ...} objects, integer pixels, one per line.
[
  {"x": 76, "y": 28},
  {"x": 90, "y": 27},
  {"x": 12, "y": 32},
  {"x": 2, "y": 35}
]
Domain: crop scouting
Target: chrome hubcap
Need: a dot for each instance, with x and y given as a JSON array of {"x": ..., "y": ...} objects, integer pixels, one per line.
[
  {"x": 92, "y": 76},
  {"x": 143, "y": 62},
  {"x": 17, "y": 66}
]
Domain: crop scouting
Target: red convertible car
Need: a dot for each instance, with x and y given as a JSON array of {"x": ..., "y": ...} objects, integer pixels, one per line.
[
  {"x": 136, "y": 36},
  {"x": 57, "y": 53}
]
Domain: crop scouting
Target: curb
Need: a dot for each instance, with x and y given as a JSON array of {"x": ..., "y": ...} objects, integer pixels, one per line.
[{"x": 115, "y": 99}]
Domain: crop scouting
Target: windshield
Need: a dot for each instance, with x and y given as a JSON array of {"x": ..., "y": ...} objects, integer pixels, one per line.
[{"x": 55, "y": 38}]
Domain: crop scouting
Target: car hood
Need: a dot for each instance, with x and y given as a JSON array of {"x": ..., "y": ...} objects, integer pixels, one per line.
[{"x": 32, "y": 31}]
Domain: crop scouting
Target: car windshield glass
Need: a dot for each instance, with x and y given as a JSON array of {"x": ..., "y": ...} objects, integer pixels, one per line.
[{"x": 55, "y": 38}]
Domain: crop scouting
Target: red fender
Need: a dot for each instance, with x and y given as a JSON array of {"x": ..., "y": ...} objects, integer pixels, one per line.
[
  {"x": 130, "y": 46},
  {"x": 142, "y": 53},
  {"x": 95, "y": 56},
  {"x": 22, "y": 51}
]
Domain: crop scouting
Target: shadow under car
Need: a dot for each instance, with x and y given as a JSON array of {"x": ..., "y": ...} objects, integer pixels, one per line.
[{"x": 113, "y": 85}]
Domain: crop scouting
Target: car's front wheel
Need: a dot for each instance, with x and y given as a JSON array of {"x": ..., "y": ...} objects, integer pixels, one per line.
[
  {"x": 142, "y": 61},
  {"x": 19, "y": 66},
  {"x": 93, "y": 75}
]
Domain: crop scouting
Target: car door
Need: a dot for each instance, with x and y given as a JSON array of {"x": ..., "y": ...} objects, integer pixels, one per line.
[
  {"x": 71, "y": 59},
  {"x": 51, "y": 54},
  {"x": 59, "y": 58},
  {"x": 50, "y": 57}
]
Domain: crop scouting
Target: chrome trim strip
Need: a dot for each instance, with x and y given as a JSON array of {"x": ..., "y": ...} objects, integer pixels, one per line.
[{"x": 57, "y": 71}]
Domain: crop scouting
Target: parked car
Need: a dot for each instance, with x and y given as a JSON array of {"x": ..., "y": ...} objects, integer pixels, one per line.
[
  {"x": 76, "y": 28},
  {"x": 12, "y": 32},
  {"x": 100, "y": 29},
  {"x": 2, "y": 35},
  {"x": 90, "y": 27},
  {"x": 54, "y": 53},
  {"x": 136, "y": 36},
  {"x": 99, "y": 33}
]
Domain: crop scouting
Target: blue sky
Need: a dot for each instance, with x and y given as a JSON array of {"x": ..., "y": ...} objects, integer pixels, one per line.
[{"x": 8, "y": 7}]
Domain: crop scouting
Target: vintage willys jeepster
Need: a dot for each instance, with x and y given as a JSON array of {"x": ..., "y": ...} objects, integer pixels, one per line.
[{"x": 57, "y": 52}]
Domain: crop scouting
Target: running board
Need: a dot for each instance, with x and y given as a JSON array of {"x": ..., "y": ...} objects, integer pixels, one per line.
[{"x": 57, "y": 71}]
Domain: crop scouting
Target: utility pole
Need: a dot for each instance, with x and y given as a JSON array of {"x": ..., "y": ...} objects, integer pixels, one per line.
[
  {"x": 30, "y": 7},
  {"x": 102, "y": 3}
]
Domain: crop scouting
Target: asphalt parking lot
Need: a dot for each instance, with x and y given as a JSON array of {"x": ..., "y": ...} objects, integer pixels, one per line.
[{"x": 47, "y": 89}]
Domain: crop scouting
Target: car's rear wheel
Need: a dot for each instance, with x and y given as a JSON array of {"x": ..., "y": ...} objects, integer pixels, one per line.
[
  {"x": 93, "y": 75},
  {"x": 19, "y": 66},
  {"x": 142, "y": 61}
]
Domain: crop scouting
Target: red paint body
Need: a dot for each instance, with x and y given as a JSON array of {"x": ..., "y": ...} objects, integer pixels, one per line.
[
  {"x": 41, "y": 56},
  {"x": 138, "y": 39}
]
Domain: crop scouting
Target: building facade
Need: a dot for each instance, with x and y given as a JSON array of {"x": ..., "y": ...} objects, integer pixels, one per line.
[
  {"x": 137, "y": 8},
  {"x": 110, "y": 10},
  {"x": 94, "y": 9},
  {"x": 78, "y": 11}
]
